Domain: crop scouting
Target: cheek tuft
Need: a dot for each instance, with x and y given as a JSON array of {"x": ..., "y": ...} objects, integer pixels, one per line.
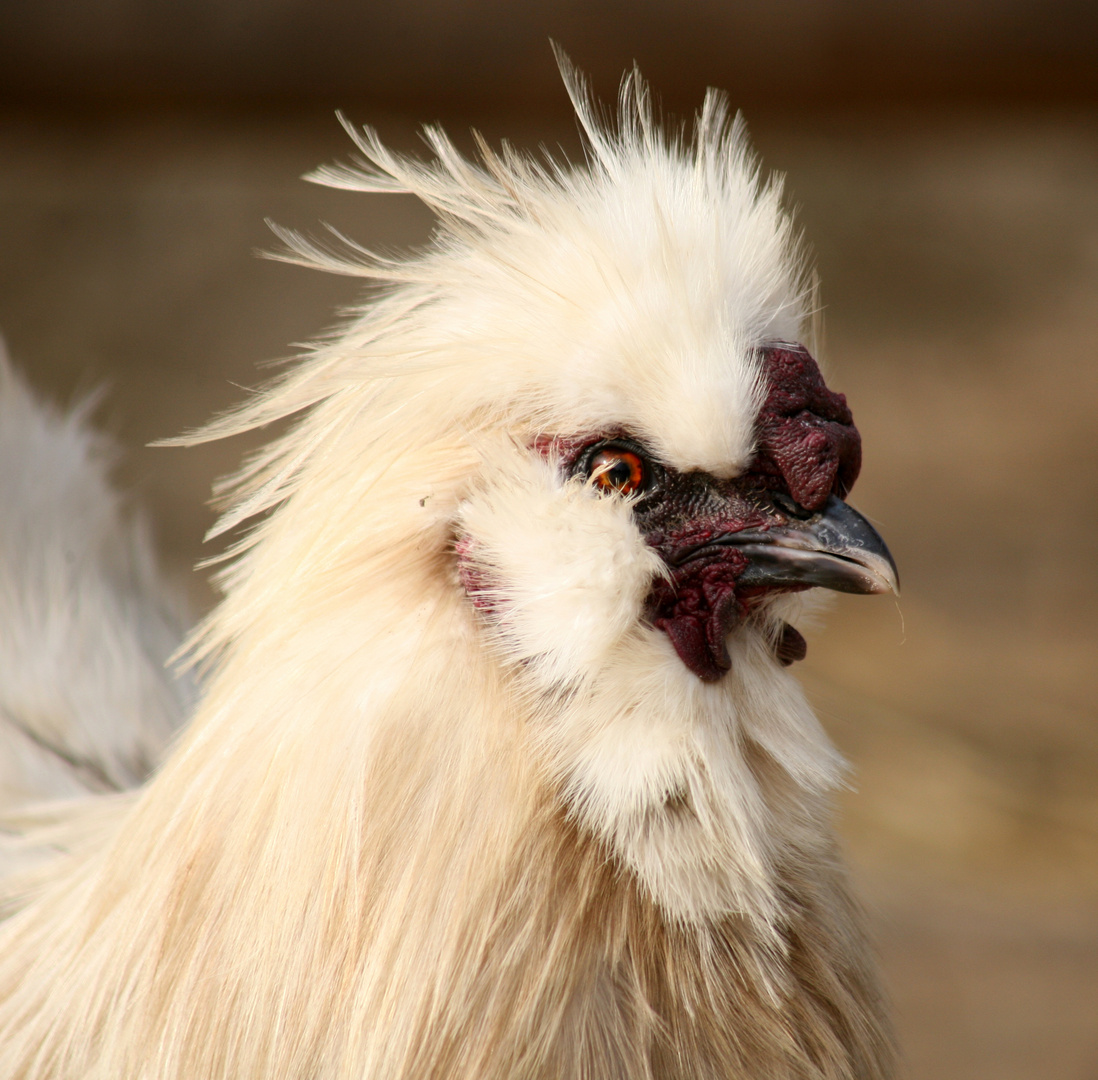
[{"x": 560, "y": 573}]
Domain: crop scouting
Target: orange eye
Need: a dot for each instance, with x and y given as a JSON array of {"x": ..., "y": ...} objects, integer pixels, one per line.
[{"x": 616, "y": 470}]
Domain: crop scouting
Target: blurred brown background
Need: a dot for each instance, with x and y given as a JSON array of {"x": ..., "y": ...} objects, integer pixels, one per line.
[{"x": 943, "y": 159}]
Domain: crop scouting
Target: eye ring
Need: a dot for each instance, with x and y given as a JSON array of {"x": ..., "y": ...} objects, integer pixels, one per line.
[{"x": 614, "y": 469}]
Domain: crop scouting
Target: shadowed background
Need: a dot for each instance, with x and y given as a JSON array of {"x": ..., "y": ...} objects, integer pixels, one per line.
[{"x": 943, "y": 160}]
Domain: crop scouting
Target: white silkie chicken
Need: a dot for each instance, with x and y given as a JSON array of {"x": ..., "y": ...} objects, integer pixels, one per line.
[{"x": 500, "y": 771}]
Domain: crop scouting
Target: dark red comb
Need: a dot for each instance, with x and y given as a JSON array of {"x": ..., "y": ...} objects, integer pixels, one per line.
[{"x": 806, "y": 434}]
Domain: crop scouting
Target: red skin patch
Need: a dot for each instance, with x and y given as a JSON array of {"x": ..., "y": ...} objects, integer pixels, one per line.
[{"x": 471, "y": 575}]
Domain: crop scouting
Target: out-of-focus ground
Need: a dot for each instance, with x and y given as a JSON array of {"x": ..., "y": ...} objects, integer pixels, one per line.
[{"x": 958, "y": 252}]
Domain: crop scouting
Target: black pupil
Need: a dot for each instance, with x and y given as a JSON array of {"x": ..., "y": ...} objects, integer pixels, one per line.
[{"x": 620, "y": 473}]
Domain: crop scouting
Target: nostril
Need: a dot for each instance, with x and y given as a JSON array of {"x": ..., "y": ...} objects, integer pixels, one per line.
[{"x": 790, "y": 508}]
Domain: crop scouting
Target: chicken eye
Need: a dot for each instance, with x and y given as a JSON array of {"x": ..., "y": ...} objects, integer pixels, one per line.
[{"x": 617, "y": 470}]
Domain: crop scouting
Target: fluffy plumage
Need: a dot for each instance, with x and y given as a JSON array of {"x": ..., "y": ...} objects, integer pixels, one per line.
[
  {"x": 85, "y": 702},
  {"x": 451, "y": 805}
]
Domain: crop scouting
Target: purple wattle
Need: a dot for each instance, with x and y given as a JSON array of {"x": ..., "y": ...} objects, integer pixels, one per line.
[{"x": 698, "y": 608}]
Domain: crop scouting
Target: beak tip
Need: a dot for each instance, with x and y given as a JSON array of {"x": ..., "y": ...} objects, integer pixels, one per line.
[
  {"x": 893, "y": 579},
  {"x": 885, "y": 576}
]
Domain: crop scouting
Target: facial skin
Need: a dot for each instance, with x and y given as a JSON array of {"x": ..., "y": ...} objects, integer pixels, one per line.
[{"x": 779, "y": 525}]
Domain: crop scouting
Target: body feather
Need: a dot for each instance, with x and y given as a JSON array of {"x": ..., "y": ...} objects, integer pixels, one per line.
[{"x": 87, "y": 624}]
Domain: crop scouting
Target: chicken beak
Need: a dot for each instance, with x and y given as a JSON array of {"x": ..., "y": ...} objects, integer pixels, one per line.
[{"x": 836, "y": 548}]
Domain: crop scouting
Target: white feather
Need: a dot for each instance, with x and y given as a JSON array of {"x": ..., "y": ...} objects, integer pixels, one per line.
[{"x": 86, "y": 625}]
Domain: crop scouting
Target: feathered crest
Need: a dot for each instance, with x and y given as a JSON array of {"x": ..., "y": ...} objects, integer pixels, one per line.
[{"x": 487, "y": 210}]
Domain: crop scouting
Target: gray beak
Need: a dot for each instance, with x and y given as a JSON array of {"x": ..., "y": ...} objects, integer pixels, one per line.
[{"x": 835, "y": 548}]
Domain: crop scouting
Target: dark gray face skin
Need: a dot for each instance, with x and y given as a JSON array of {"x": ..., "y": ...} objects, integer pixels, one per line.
[{"x": 729, "y": 543}]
